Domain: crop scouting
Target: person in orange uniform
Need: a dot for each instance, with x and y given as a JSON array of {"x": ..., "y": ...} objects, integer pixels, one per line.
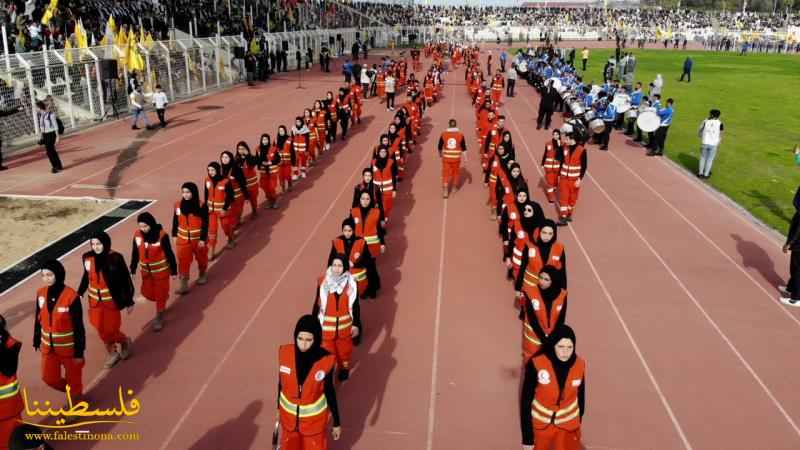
[
  {"x": 58, "y": 332},
  {"x": 551, "y": 163},
  {"x": 288, "y": 158},
  {"x": 368, "y": 220},
  {"x": 11, "y": 404},
  {"x": 380, "y": 81},
  {"x": 153, "y": 253},
  {"x": 336, "y": 306},
  {"x": 190, "y": 230},
  {"x": 219, "y": 198},
  {"x": 428, "y": 90},
  {"x": 498, "y": 85},
  {"x": 110, "y": 290},
  {"x": 321, "y": 120},
  {"x": 530, "y": 222},
  {"x": 544, "y": 309},
  {"x": 358, "y": 102},
  {"x": 553, "y": 396},
  {"x": 301, "y": 140},
  {"x": 248, "y": 164},
  {"x": 306, "y": 393},
  {"x": 332, "y": 105},
  {"x": 269, "y": 160},
  {"x": 233, "y": 172},
  {"x": 384, "y": 175},
  {"x": 357, "y": 253},
  {"x": 313, "y": 137},
  {"x": 368, "y": 185},
  {"x": 451, "y": 147},
  {"x": 573, "y": 169}
]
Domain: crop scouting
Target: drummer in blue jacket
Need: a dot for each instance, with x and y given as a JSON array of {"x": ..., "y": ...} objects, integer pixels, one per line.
[
  {"x": 609, "y": 116},
  {"x": 636, "y": 101},
  {"x": 665, "y": 115}
]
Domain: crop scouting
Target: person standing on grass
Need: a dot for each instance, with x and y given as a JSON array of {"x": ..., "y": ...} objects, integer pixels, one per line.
[
  {"x": 687, "y": 69},
  {"x": 790, "y": 293},
  {"x": 710, "y": 134},
  {"x": 665, "y": 114},
  {"x": 584, "y": 57},
  {"x": 48, "y": 127},
  {"x": 160, "y": 102}
]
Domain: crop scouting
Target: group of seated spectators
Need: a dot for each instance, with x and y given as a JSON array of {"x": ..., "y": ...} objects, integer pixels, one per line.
[{"x": 26, "y": 32}]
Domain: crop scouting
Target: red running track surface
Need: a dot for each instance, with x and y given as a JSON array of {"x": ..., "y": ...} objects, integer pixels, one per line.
[{"x": 671, "y": 294}]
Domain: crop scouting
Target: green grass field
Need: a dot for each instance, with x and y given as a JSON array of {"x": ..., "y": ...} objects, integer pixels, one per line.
[{"x": 759, "y": 96}]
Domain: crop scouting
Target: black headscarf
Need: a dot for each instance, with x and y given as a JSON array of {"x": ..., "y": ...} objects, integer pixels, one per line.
[
  {"x": 155, "y": 228},
  {"x": 57, "y": 268},
  {"x": 218, "y": 169},
  {"x": 227, "y": 169},
  {"x": 101, "y": 260},
  {"x": 365, "y": 211},
  {"x": 305, "y": 360},
  {"x": 281, "y": 140},
  {"x": 545, "y": 247},
  {"x": 529, "y": 224},
  {"x": 549, "y": 349},
  {"x": 550, "y": 294},
  {"x": 248, "y": 158},
  {"x": 264, "y": 149},
  {"x": 381, "y": 162},
  {"x": 190, "y": 206},
  {"x": 112, "y": 265}
]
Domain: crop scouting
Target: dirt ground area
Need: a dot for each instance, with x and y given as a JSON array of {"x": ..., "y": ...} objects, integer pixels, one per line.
[{"x": 29, "y": 224}]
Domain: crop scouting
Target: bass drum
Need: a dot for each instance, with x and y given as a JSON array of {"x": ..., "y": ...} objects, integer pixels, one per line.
[
  {"x": 648, "y": 121},
  {"x": 597, "y": 126},
  {"x": 589, "y": 115},
  {"x": 631, "y": 114},
  {"x": 576, "y": 108}
]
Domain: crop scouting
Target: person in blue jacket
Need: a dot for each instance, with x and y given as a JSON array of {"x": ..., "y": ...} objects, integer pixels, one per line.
[
  {"x": 665, "y": 114},
  {"x": 609, "y": 115},
  {"x": 687, "y": 69}
]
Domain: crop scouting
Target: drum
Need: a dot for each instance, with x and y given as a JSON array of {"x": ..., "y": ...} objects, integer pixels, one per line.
[
  {"x": 648, "y": 121},
  {"x": 631, "y": 114},
  {"x": 623, "y": 108},
  {"x": 556, "y": 84},
  {"x": 595, "y": 90},
  {"x": 589, "y": 115},
  {"x": 576, "y": 108},
  {"x": 597, "y": 126}
]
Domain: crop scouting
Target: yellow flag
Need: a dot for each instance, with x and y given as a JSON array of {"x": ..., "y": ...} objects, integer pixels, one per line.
[
  {"x": 148, "y": 41},
  {"x": 68, "y": 51},
  {"x": 112, "y": 24},
  {"x": 49, "y": 11}
]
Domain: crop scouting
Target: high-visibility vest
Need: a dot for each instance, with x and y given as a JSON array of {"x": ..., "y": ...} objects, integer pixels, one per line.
[
  {"x": 303, "y": 407},
  {"x": 495, "y": 136},
  {"x": 337, "y": 320},
  {"x": 556, "y": 255},
  {"x": 548, "y": 323},
  {"x": 532, "y": 269},
  {"x": 453, "y": 140},
  {"x": 272, "y": 168},
  {"x": 10, "y": 400},
  {"x": 551, "y": 405},
  {"x": 152, "y": 260},
  {"x": 190, "y": 226},
  {"x": 98, "y": 289},
  {"x": 383, "y": 178},
  {"x": 497, "y": 84},
  {"x": 551, "y": 163},
  {"x": 571, "y": 166},
  {"x": 300, "y": 143},
  {"x": 237, "y": 190},
  {"x": 250, "y": 175},
  {"x": 216, "y": 194},
  {"x": 333, "y": 109},
  {"x": 358, "y": 273},
  {"x": 286, "y": 152},
  {"x": 57, "y": 332},
  {"x": 319, "y": 120},
  {"x": 367, "y": 228}
]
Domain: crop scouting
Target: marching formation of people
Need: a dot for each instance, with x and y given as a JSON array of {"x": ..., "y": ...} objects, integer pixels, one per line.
[{"x": 552, "y": 394}]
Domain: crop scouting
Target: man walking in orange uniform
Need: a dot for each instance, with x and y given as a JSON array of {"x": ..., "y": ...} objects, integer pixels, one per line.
[{"x": 451, "y": 147}]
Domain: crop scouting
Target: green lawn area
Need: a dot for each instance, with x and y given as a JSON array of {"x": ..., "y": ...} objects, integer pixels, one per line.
[{"x": 759, "y": 96}]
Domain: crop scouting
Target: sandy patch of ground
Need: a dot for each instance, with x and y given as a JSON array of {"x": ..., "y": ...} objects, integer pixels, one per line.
[{"x": 29, "y": 224}]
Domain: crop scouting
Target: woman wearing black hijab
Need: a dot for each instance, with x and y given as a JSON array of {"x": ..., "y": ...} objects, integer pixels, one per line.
[
  {"x": 544, "y": 308},
  {"x": 552, "y": 401},
  {"x": 357, "y": 253},
  {"x": 306, "y": 392},
  {"x": 11, "y": 403},
  {"x": 110, "y": 289},
  {"x": 543, "y": 249},
  {"x": 269, "y": 160},
  {"x": 368, "y": 221},
  {"x": 153, "y": 253},
  {"x": 385, "y": 175},
  {"x": 59, "y": 320},
  {"x": 233, "y": 172},
  {"x": 531, "y": 218},
  {"x": 190, "y": 230},
  {"x": 497, "y": 166},
  {"x": 219, "y": 198}
]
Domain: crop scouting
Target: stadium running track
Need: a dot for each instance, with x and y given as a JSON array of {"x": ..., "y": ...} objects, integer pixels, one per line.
[{"x": 672, "y": 294}]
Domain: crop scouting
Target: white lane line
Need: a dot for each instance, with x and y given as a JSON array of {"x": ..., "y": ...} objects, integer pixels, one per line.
[
  {"x": 664, "y": 402},
  {"x": 438, "y": 316},
  {"x": 744, "y": 272},
  {"x": 187, "y": 412}
]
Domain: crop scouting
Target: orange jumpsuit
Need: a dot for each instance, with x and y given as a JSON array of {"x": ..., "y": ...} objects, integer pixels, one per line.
[
  {"x": 269, "y": 168},
  {"x": 367, "y": 228},
  {"x": 337, "y": 315},
  {"x": 190, "y": 231},
  {"x": 155, "y": 269},
  {"x": 322, "y": 132},
  {"x": 287, "y": 161},
  {"x": 104, "y": 315},
  {"x": 555, "y": 412},
  {"x": 531, "y": 340},
  {"x": 380, "y": 81},
  {"x": 451, "y": 145},
  {"x": 497, "y": 88},
  {"x": 58, "y": 343},
  {"x": 250, "y": 171},
  {"x": 300, "y": 143},
  {"x": 551, "y": 166},
  {"x": 11, "y": 404},
  {"x": 303, "y": 409},
  {"x": 358, "y": 272},
  {"x": 571, "y": 170},
  {"x": 219, "y": 197},
  {"x": 384, "y": 179}
]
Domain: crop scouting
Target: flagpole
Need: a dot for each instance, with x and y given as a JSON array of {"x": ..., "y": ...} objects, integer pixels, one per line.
[{"x": 5, "y": 49}]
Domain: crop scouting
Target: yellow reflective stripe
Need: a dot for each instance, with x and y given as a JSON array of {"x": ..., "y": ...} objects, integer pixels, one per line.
[
  {"x": 539, "y": 417},
  {"x": 9, "y": 390},
  {"x": 360, "y": 275},
  {"x": 537, "y": 405},
  {"x": 47, "y": 342},
  {"x": 567, "y": 409},
  {"x": 304, "y": 411},
  {"x": 372, "y": 239},
  {"x": 59, "y": 335},
  {"x": 567, "y": 418},
  {"x": 530, "y": 335},
  {"x": 516, "y": 261}
]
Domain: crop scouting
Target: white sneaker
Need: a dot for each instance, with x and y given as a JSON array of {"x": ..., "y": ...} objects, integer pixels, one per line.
[
  {"x": 303, "y": 175},
  {"x": 788, "y": 301},
  {"x": 784, "y": 289}
]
